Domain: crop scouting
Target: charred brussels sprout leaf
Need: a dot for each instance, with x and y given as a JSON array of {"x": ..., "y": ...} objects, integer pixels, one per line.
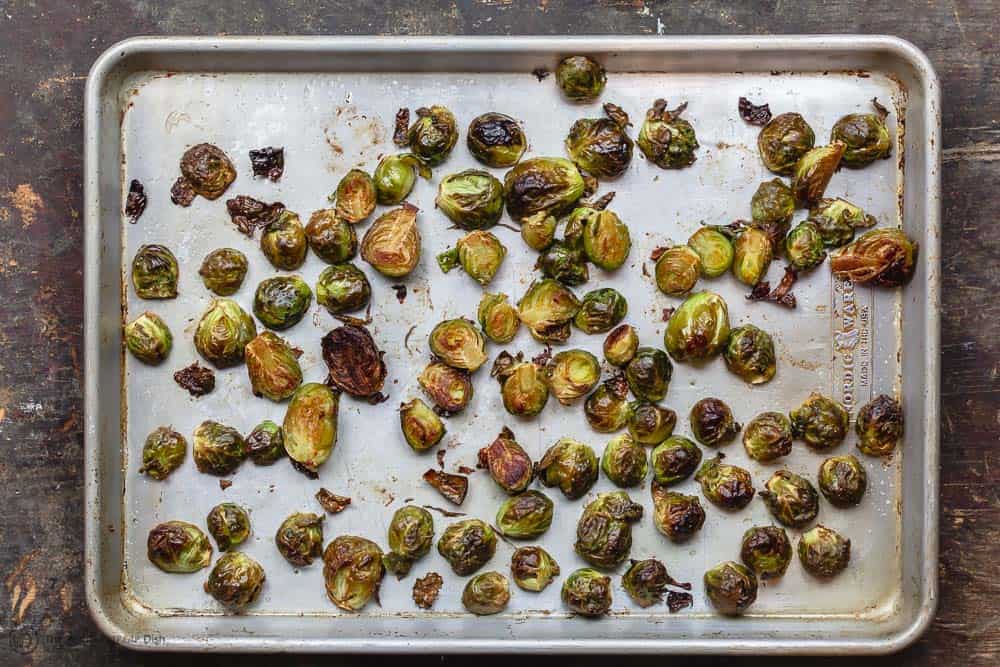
[
  {"x": 712, "y": 422},
  {"x": 783, "y": 141},
  {"x": 547, "y": 309},
  {"x": 392, "y": 244},
  {"x": 752, "y": 255},
  {"x": 498, "y": 318},
  {"x": 421, "y": 426},
  {"x": 284, "y": 242},
  {"x": 865, "y": 135},
  {"x": 699, "y": 328},
  {"x": 235, "y": 581},
  {"x": 154, "y": 272},
  {"x": 486, "y": 593},
  {"x": 750, "y": 354},
  {"x": 223, "y": 271},
  {"x": 804, "y": 247},
  {"x": 281, "y": 302},
  {"x": 356, "y": 199},
  {"x": 843, "y": 480},
  {"x": 178, "y": 547},
  {"x": 426, "y": 590},
  {"x": 606, "y": 239},
  {"x": 218, "y": 449},
  {"x": 624, "y": 461},
  {"x": 508, "y": 463},
  {"x": 496, "y": 140},
  {"x": 587, "y": 592},
  {"x": 223, "y": 332},
  {"x": 714, "y": 249},
  {"x": 572, "y": 374},
  {"x": 354, "y": 361},
  {"x": 411, "y": 534},
  {"x": 273, "y": 366},
  {"x": 310, "y": 426},
  {"x": 448, "y": 388},
  {"x": 824, "y": 552},
  {"x": 523, "y": 385},
  {"x": 649, "y": 373},
  {"x": 766, "y": 551},
  {"x": 768, "y": 436},
  {"x": 533, "y": 568},
  {"x": 343, "y": 288},
  {"x": 599, "y": 146},
  {"x": 879, "y": 426},
  {"x": 677, "y": 270},
  {"x": 607, "y": 410},
  {"x": 433, "y": 134},
  {"x": 266, "y": 443},
  {"x": 820, "y": 422},
  {"x": 542, "y": 184},
  {"x": 621, "y": 345},
  {"x": 479, "y": 253},
  {"x": 772, "y": 205},
  {"x": 451, "y": 487},
  {"x": 674, "y": 460},
  {"x": 791, "y": 499},
  {"x": 666, "y": 139},
  {"x": 162, "y": 453},
  {"x": 148, "y": 338},
  {"x": 459, "y": 344},
  {"x": 724, "y": 485},
  {"x": 731, "y": 588},
  {"x": 882, "y": 257},
  {"x": 395, "y": 176},
  {"x": 565, "y": 264},
  {"x": 836, "y": 220},
  {"x": 207, "y": 170},
  {"x": 332, "y": 238},
  {"x": 600, "y": 310},
  {"x": 580, "y": 78},
  {"x": 229, "y": 525},
  {"x": 604, "y": 533},
  {"x": 353, "y": 571},
  {"x": 650, "y": 424},
  {"x": 538, "y": 231},
  {"x": 300, "y": 538},
  {"x": 467, "y": 545},
  {"x": 525, "y": 516},
  {"x": 676, "y": 515},
  {"x": 813, "y": 172},
  {"x": 472, "y": 199},
  {"x": 570, "y": 465}
]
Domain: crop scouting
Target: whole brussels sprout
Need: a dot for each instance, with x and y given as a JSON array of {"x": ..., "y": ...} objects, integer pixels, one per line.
[
  {"x": 879, "y": 426},
  {"x": 820, "y": 422},
  {"x": 563, "y": 263},
  {"x": 882, "y": 257},
  {"x": 467, "y": 545},
  {"x": 600, "y": 310},
  {"x": 411, "y": 534},
  {"x": 650, "y": 424},
  {"x": 523, "y": 385},
  {"x": 479, "y": 253},
  {"x": 421, "y": 426},
  {"x": 486, "y": 593},
  {"x": 300, "y": 538},
  {"x": 354, "y": 362},
  {"x": 621, "y": 345},
  {"x": 836, "y": 220},
  {"x": 752, "y": 255},
  {"x": 547, "y": 309},
  {"x": 273, "y": 367},
  {"x": 433, "y": 134},
  {"x": 791, "y": 499},
  {"x": 587, "y": 592},
  {"x": 865, "y": 135},
  {"x": 154, "y": 272},
  {"x": 343, "y": 288},
  {"x": 772, "y": 205},
  {"x": 331, "y": 237},
  {"x": 178, "y": 547},
  {"x": 731, "y": 588},
  {"x": 624, "y": 461},
  {"x": 496, "y": 140},
  {"x": 804, "y": 247},
  {"x": 712, "y": 422},
  {"x": 281, "y": 302},
  {"x": 472, "y": 199},
  {"x": 580, "y": 78},
  {"x": 310, "y": 426},
  {"x": 533, "y": 568},
  {"x": 676, "y": 515},
  {"x": 714, "y": 249},
  {"x": 162, "y": 453},
  {"x": 813, "y": 172},
  {"x": 674, "y": 460},
  {"x": 677, "y": 270},
  {"x": 645, "y": 581},
  {"x": 448, "y": 388},
  {"x": 649, "y": 373},
  {"x": 509, "y": 465},
  {"x": 604, "y": 533},
  {"x": 459, "y": 344},
  {"x": 223, "y": 271},
  {"x": 352, "y": 571},
  {"x": 148, "y": 338},
  {"x": 549, "y": 184},
  {"x": 843, "y": 480},
  {"x": 266, "y": 443},
  {"x": 538, "y": 231},
  {"x": 599, "y": 146},
  {"x": 750, "y": 354},
  {"x": 392, "y": 244},
  {"x": 824, "y": 552},
  {"x": 572, "y": 374},
  {"x": 223, "y": 332},
  {"x": 525, "y": 516},
  {"x": 284, "y": 242},
  {"x": 726, "y": 486},
  {"x": 207, "y": 170},
  {"x": 607, "y": 410},
  {"x": 766, "y": 550},
  {"x": 229, "y": 524},
  {"x": 395, "y": 176},
  {"x": 768, "y": 436},
  {"x": 355, "y": 199},
  {"x": 606, "y": 239},
  {"x": 699, "y": 328},
  {"x": 783, "y": 141},
  {"x": 666, "y": 139},
  {"x": 235, "y": 581},
  {"x": 570, "y": 465},
  {"x": 218, "y": 449},
  {"x": 498, "y": 318}
]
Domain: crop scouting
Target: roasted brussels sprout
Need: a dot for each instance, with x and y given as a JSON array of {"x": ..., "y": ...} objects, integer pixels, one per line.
[
  {"x": 837, "y": 219},
  {"x": 606, "y": 239},
  {"x": 448, "y": 388},
  {"x": 607, "y": 409},
  {"x": 666, "y": 139},
  {"x": 538, "y": 231},
  {"x": 791, "y": 499},
  {"x": 533, "y": 568},
  {"x": 650, "y": 424},
  {"x": 645, "y": 581},
  {"x": 624, "y": 461},
  {"x": 600, "y": 310},
  {"x": 148, "y": 338},
  {"x": 649, "y": 373},
  {"x": 865, "y": 135},
  {"x": 563, "y": 263},
  {"x": 218, "y": 449},
  {"x": 223, "y": 271},
  {"x": 833, "y": 231},
  {"x": 472, "y": 199},
  {"x": 523, "y": 385},
  {"x": 154, "y": 272},
  {"x": 587, "y": 592},
  {"x": 820, "y": 422},
  {"x": 452, "y": 488},
  {"x": 459, "y": 344},
  {"x": 281, "y": 302},
  {"x": 353, "y": 571},
  {"x": 772, "y": 205},
  {"x": 331, "y": 237},
  {"x": 804, "y": 247},
  {"x": 547, "y": 309},
  {"x": 580, "y": 78},
  {"x": 273, "y": 367},
  {"x": 421, "y": 426},
  {"x": 879, "y": 426},
  {"x": 498, "y": 318},
  {"x": 768, "y": 436},
  {"x": 354, "y": 361},
  {"x": 712, "y": 422},
  {"x": 223, "y": 332},
  {"x": 714, "y": 249},
  {"x": 235, "y": 581},
  {"x": 599, "y": 146},
  {"x": 284, "y": 242},
  {"x": 496, "y": 140},
  {"x": 813, "y": 172},
  {"x": 433, "y": 134},
  {"x": 310, "y": 426},
  {"x": 300, "y": 538},
  {"x": 824, "y": 552},
  {"x": 882, "y": 257},
  {"x": 178, "y": 547},
  {"x": 621, "y": 345},
  {"x": 355, "y": 199},
  {"x": 572, "y": 374},
  {"x": 486, "y": 593},
  {"x": 731, "y": 587},
  {"x": 726, "y": 486},
  {"x": 395, "y": 176},
  {"x": 542, "y": 184},
  {"x": 783, "y": 141},
  {"x": 674, "y": 460},
  {"x": 411, "y": 534},
  {"x": 479, "y": 253},
  {"x": 467, "y": 545},
  {"x": 750, "y": 354},
  {"x": 676, "y": 515},
  {"x": 392, "y": 244},
  {"x": 207, "y": 170},
  {"x": 677, "y": 270},
  {"x": 604, "y": 533},
  {"x": 343, "y": 288},
  {"x": 570, "y": 465},
  {"x": 508, "y": 463},
  {"x": 699, "y": 328},
  {"x": 843, "y": 480},
  {"x": 229, "y": 524},
  {"x": 752, "y": 255},
  {"x": 266, "y": 443},
  {"x": 525, "y": 516},
  {"x": 162, "y": 453},
  {"x": 766, "y": 551}
]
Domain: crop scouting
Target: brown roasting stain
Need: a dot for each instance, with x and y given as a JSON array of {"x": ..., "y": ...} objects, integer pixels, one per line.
[{"x": 21, "y": 587}]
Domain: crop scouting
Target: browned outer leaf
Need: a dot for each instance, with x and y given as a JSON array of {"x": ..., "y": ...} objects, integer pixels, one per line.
[
  {"x": 331, "y": 502},
  {"x": 249, "y": 214},
  {"x": 452, "y": 487},
  {"x": 182, "y": 192},
  {"x": 197, "y": 379},
  {"x": 754, "y": 114},
  {"x": 426, "y": 589},
  {"x": 677, "y": 601},
  {"x": 268, "y": 162},
  {"x": 402, "y": 125},
  {"x": 135, "y": 203}
]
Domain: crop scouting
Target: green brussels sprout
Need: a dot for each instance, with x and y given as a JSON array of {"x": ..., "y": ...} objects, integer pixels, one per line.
[
  {"x": 676, "y": 515},
  {"x": 154, "y": 272},
  {"x": 575, "y": 222},
  {"x": 223, "y": 332},
  {"x": 772, "y": 205},
  {"x": 833, "y": 230},
  {"x": 343, "y": 288},
  {"x": 395, "y": 176},
  {"x": 677, "y": 270},
  {"x": 223, "y": 271},
  {"x": 649, "y": 373},
  {"x": 766, "y": 551},
  {"x": 331, "y": 237},
  {"x": 433, "y": 134},
  {"x": 467, "y": 545},
  {"x": 392, "y": 244},
  {"x": 563, "y": 263},
  {"x": 450, "y": 389},
  {"x": 604, "y": 533},
  {"x": 472, "y": 199},
  {"x": 496, "y": 140},
  {"x": 824, "y": 552},
  {"x": 266, "y": 443},
  {"x": 731, "y": 588},
  {"x": 485, "y": 594},
  {"x": 207, "y": 170},
  {"x": 355, "y": 201},
  {"x": 645, "y": 581},
  {"x": 235, "y": 581},
  {"x": 284, "y": 242},
  {"x": 699, "y": 328},
  {"x": 624, "y": 461},
  {"x": 549, "y": 184},
  {"x": 674, "y": 460},
  {"x": 533, "y": 568},
  {"x": 354, "y": 362},
  {"x": 498, "y": 318},
  {"x": 813, "y": 172},
  {"x": 352, "y": 571},
  {"x": 459, "y": 344},
  {"x": 726, "y": 486},
  {"x": 411, "y": 534},
  {"x": 865, "y": 135},
  {"x": 148, "y": 338},
  {"x": 421, "y": 426},
  {"x": 650, "y": 424},
  {"x": 310, "y": 426},
  {"x": 218, "y": 449},
  {"x": 840, "y": 212},
  {"x": 580, "y": 78},
  {"x": 879, "y": 426},
  {"x": 508, "y": 463},
  {"x": 538, "y": 231},
  {"x": 479, "y": 253},
  {"x": 547, "y": 309},
  {"x": 621, "y": 345},
  {"x": 281, "y": 302},
  {"x": 162, "y": 453},
  {"x": 229, "y": 524},
  {"x": 804, "y": 247},
  {"x": 791, "y": 499},
  {"x": 843, "y": 480},
  {"x": 273, "y": 367},
  {"x": 525, "y": 516},
  {"x": 750, "y": 354},
  {"x": 666, "y": 139},
  {"x": 599, "y": 146},
  {"x": 714, "y": 249},
  {"x": 570, "y": 465},
  {"x": 712, "y": 422},
  {"x": 783, "y": 142},
  {"x": 523, "y": 385},
  {"x": 768, "y": 436},
  {"x": 587, "y": 592},
  {"x": 300, "y": 538},
  {"x": 820, "y": 422},
  {"x": 178, "y": 547},
  {"x": 882, "y": 257},
  {"x": 752, "y": 255},
  {"x": 607, "y": 410},
  {"x": 606, "y": 239},
  {"x": 600, "y": 310},
  {"x": 572, "y": 374}
]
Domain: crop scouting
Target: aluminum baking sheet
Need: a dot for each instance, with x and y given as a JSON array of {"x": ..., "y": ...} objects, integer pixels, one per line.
[{"x": 331, "y": 103}]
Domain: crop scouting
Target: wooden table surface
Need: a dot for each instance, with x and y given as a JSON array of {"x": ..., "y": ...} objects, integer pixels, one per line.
[{"x": 46, "y": 48}]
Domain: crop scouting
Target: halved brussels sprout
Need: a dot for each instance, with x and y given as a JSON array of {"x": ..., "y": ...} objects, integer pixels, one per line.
[
  {"x": 392, "y": 244},
  {"x": 837, "y": 219},
  {"x": 650, "y": 424},
  {"x": 523, "y": 385},
  {"x": 162, "y": 453},
  {"x": 820, "y": 422},
  {"x": 599, "y": 146},
  {"x": 714, "y": 249},
  {"x": 229, "y": 524},
  {"x": 459, "y": 344},
  {"x": 266, "y": 443},
  {"x": 772, "y": 205},
  {"x": 865, "y": 135},
  {"x": 207, "y": 170},
  {"x": 843, "y": 480},
  {"x": 352, "y": 571},
  {"x": 525, "y": 516},
  {"x": 223, "y": 332},
  {"x": 587, "y": 592},
  {"x": 676, "y": 515},
  {"x": 621, "y": 345},
  {"x": 472, "y": 199},
  {"x": 624, "y": 461},
  {"x": 539, "y": 230},
  {"x": 148, "y": 338},
  {"x": 677, "y": 270},
  {"x": 879, "y": 426},
  {"x": 726, "y": 486},
  {"x": 580, "y": 78},
  {"x": 804, "y": 247},
  {"x": 281, "y": 302},
  {"x": 354, "y": 362},
  {"x": 467, "y": 545},
  {"x": 479, "y": 253},
  {"x": 496, "y": 140},
  {"x": 218, "y": 449},
  {"x": 674, "y": 460},
  {"x": 752, "y": 254},
  {"x": 411, "y": 534},
  {"x": 310, "y": 425},
  {"x": 547, "y": 309},
  {"x": 712, "y": 422},
  {"x": 645, "y": 581},
  {"x": 448, "y": 388},
  {"x": 666, "y": 139},
  {"x": 178, "y": 547},
  {"x": 604, "y": 533},
  {"x": 572, "y": 374},
  {"x": 273, "y": 366},
  {"x": 508, "y": 463},
  {"x": 433, "y": 134},
  {"x": 486, "y": 593},
  {"x": 331, "y": 237},
  {"x": 300, "y": 538},
  {"x": 235, "y": 581},
  {"x": 284, "y": 242},
  {"x": 355, "y": 200},
  {"x": 649, "y": 373},
  {"x": 791, "y": 499},
  {"x": 768, "y": 436},
  {"x": 563, "y": 263},
  {"x": 223, "y": 271},
  {"x": 814, "y": 171},
  {"x": 395, "y": 176},
  {"x": 421, "y": 426},
  {"x": 824, "y": 552},
  {"x": 882, "y": 257},
  {"x": 750, "y": 354},
  {"x": 533, "y": 568},
  {"x": 766, "y": 551},
  {"x": 154, "y": 272},
  {"x": 606, "y": 239},
  {"x": 699, "y": 328},
  {"x": 549, "y": 184},
  {"x": 783, "y": 141},
  {"x": 570, "y": 465},
  {"x": 731, "y": 588},
  {"x": 498, "y": 318},
  {"x": 343, "y": 288},
  {"x": 600, "y": 310},
  {"x": 607, "y": 410}
]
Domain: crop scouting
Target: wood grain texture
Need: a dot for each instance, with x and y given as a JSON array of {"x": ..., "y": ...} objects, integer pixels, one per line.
[{"x": 47, "y": 48}]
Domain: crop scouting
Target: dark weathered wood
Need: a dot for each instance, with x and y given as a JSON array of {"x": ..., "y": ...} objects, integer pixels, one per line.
[{"x": 47, "y": 47}]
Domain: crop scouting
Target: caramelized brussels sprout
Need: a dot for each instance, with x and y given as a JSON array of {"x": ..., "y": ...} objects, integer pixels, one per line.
[
  {"x": 624, "y": 461},
  {"x": 498, "y": 318},
  {"x": 606, "y": 239},
  {"x": 650, "y": 424},
  {"x": 570, "y": 465},
  {"x": 750, "y": 354},
  {"x": 843, "y": 480},
  {"x": 273, "y": 367},
  {"x": 523, "y": 385},
  {"x": 882, "y": 257},
  {"x": 731, "y": 588},
  {"x": 766, "y": 551},
  {"x": 235, "y": 581},
  {"x": 395, "y": 176},
  {"x": 352, "y": 571},
  {"x": 674, "y": 460},
  {"x": 392, "y": 244},
  {"x": 604, "y": 533},
  {"x": 813, "y": 172},
  {"x": 726, "y": 486},
  {"x": 223, "y": 271},
  {"x": 538, "y": 231},
  {"x": 207, "y": 170},
  {"x": 752, "y": 254},
  {"x": 281, "y": 302},
  {"x": 645, "y": 581},
  {"x": 791, "y": 499},
  {"x": 229, "y": 524},
  {"x": 310, "y": 426},
  {"x": 676, "y": 515},
  {"x": 804, "y": 247},
  {"x": 479, "y": 253},
  {"x": 600, "y": 310},
  {"x": 355, "y": 201},
  {"x": 148, "y": 338},
  {"x": 162, "y": 453},
  {"x": 508, "y": 463},
  {"x": 411, "y": 534},
  {"x": 772, "y": 205},
  {"x": 218, "y": 449},
  {"x": 607, "y": 409},
  {"x": 580, "y": 78},
  {"x": 547, "y": 309},
  {"x": 459, "y": 344},
  {"x": 486, "y": 593},
  {"x": 223, "y": 332},
  {"x": 865, "y": 135},
  {"x": 496, "y": 140},
  {"x": 472, "y": 199},
  {"x": 533, "y": 568},
  {"x": 154, "y": 272},
  {"x": 331, "y": 237},
  {"x": 565, "y": 264},
  {"x": 768, "y": 436},
  {"x": 666, "y": 139},
  {"x": 837, "y": 219},
  {"x": 266, "y": 443},
  {"x": 549, "y": 184},
  {"x": 712, "y": 422},
  {"x": 783, "y": 141},
  {"x": 300, "y": 538},
  {"x": 714, "y": 249},
  {"x": 699, "y": 328},
  {"x": 354, "y": 362},
  {"x": 833, "y": 231},
  {"x": 525, "y": 516},
  {"x": 824, "y": 552},
  {"x": 879, "y": 426},
  {"x": 572, "y": 374},
  {"x": 649, "y": 373},
  {"x": 621, "y": 345},
  {"x": 178, "y": 547},
  {"x": 284, "y": 242},
  {"x": 448, "y": 388},
  {"x": 343, "y": 288},
  {"x": 467, "y": 545},
  {"x": 820, "y": 422},
  {"x": 677, "y": 270},
  {"x": 433, "y": 134},
  {"x": 599, "y": 146},
  {"x": 421, "y": 426},
  {"x": 587, "y": 592}
]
